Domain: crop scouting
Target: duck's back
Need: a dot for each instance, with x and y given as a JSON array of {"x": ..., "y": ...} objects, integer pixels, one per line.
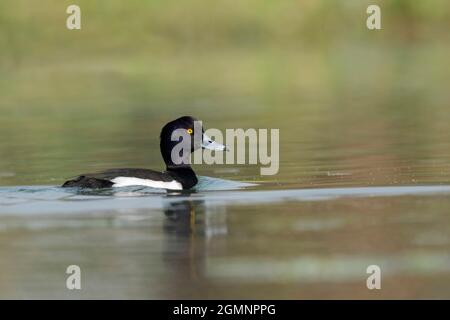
[{"x": 122, "y": 177}]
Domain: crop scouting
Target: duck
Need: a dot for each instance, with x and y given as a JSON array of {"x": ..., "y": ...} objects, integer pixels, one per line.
[{"x": 178, "y": 175}]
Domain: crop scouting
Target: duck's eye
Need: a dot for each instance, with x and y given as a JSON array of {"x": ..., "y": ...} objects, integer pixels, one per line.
[{"x": 189, "y": 131}]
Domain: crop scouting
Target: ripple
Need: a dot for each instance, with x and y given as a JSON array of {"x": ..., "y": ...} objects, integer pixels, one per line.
[{"x": 56, "y": 200}]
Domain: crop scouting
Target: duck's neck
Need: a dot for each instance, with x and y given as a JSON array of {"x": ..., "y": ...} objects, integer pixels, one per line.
[{"x": 183, "y": 174}]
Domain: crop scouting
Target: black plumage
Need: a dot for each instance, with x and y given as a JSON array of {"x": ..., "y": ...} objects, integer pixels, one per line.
[{"x": 181, "y": 173}]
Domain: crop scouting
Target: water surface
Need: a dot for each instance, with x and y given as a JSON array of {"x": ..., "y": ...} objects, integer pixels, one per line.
[
  {"x": 301, "y": 243},
  {"x": 364, "y": 149}
]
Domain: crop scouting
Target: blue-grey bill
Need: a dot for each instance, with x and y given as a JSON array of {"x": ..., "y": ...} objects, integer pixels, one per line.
[{"x": 208, "y": 143}]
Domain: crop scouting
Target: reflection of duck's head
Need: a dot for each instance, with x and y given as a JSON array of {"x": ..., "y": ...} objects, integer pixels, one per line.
[{"x": 182, "y": 216}]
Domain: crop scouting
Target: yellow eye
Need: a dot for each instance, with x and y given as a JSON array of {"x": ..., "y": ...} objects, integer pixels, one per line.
[{"x": 189, "y": 131}]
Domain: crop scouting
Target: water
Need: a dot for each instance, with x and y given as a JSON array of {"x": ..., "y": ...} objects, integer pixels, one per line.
[
  {"x": 364, "y": 149},
  {"x": 224, "y": 240}
]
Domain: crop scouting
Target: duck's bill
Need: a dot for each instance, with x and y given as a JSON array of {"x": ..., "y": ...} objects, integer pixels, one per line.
[{"x": 208, "y": 143}]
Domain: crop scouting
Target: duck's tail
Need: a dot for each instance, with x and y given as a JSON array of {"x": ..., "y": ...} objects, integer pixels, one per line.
[{"x": 87, "y": 182}]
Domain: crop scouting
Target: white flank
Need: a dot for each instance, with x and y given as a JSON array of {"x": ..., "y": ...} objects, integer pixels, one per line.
[{"x": 130, "y": 181}]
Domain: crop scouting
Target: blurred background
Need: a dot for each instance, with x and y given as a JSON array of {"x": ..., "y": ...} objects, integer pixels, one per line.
[
  {"x": 355, "y": 108},
  {"x": 372, "y": 105}
]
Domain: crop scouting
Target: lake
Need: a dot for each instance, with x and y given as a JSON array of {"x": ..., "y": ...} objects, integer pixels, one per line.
[{"x": 364, "y": 172}]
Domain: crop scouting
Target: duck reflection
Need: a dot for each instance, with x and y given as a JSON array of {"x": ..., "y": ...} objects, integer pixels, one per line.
[
  {"x": 183, "y": 217},
  {"x": 190, "y": 226},
  {"x": 187, "y": 216}
]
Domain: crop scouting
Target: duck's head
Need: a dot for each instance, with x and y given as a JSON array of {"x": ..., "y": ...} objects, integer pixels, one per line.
[{"x": 187, "y": 134}]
